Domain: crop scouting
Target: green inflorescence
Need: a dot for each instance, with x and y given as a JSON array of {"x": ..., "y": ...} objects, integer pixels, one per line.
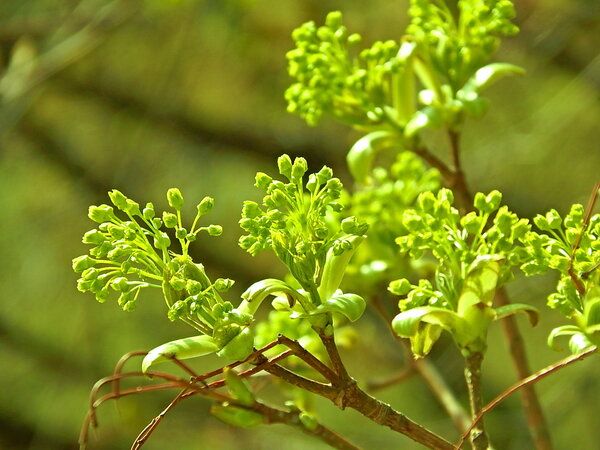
[
  {"x": 458, "y": 243},
  {"x": 292, "y": 220}
]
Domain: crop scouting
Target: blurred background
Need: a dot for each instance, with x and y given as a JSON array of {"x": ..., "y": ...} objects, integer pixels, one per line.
[{"x": 147, "y": 95}]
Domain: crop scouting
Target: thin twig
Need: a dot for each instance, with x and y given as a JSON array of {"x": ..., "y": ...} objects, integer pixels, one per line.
[
  {"x": 534, "y": 378},
  {"x": 400, "y": 377},
  {"x": 149, "y": 429}
]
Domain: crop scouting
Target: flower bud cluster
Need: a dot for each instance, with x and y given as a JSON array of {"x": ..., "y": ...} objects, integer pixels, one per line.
[
  {"x": 292, "y": 219},
  {"x": 195, "y": 299},
  {"x": 458, "y": 243},
  {"x": 382, "y": 202},
  {"x": 458, "y": 46},
  {"x": 132, "y": 252},
  {"x": 552, "y": 248},
  {"x": 332, "y": 81}
]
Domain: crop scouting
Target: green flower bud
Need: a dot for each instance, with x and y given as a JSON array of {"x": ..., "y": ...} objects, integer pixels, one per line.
[
  {"x": 479, "y": 202},
  {"x": 472, "y": 223},
  {"x": 102, "y": 295},
  {"x": 181, "y": 233},
  {"x": 157, "y": 223},
  {"x": 133, "y": 208},
  {"x": 93, "y": 237},
  {"x": 334, "y": 19},
  {"x": 251, "y": 210},
  {"x": 120, "y": 284},
  {"x": 177, "y": 310},
  {"x": 82, "y": 262},
  {"x": 554, "y": 219},
  {"x": 205, "y": 206},
  {"x": 162, "y": 241},
  {"x": 102, "y": 213},
  {"x": 177, "y": 283},
  {"x": 262, "y": 180},
  {"x": 170, "y": 220},
  {"x": 215, "y": 230},
  {"x": 284, "y": 163},
  {"x": 299, "y": 168},
  {"x": 175, "y": 199},
  {"x": 400, "y": 287},
  {"x": 118, "y": 199},
  {"x": 223, "y": 284},
  {"x": 148, "y": 211},
  {"x": 193, "y": 287},
  {"x": 312, "y": 183},
  {"x": 493, "y": 200},
  {"x": 541, "y": 222}
]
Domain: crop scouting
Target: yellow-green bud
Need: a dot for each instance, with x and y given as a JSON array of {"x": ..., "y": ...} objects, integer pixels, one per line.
[{"x": 175, "y": 199}]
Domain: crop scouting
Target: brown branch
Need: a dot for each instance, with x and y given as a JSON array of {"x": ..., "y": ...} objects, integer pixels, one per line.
[
  {"x": 292, "y": 418},
  {"x": 534, "y": 378}
]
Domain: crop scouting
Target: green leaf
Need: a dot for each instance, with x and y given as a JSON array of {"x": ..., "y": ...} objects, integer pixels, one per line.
[
  {"x": 255, "y": 294},
  {"x": 362, "y": 154},
  {"x": 565, "y": 330},
  {"x": 428, "y": 117},
  {"x": 509, "y": 310},
  {"x": 406, "y": 324},
  {"x": 186, "y": 348},
  {"x": 422, "y": 342},
  {"x": 238, "y": 417},
  {"x": 335, "y": 267},
  {"x": 238, "y": 388},
  {"x": 480, "y": 284},
  {"x": 350, "y": 305},
  {"x": 238, "y": 348},
  {"x": 592, "y": 312},
  {"x": 487, "y": 75}
]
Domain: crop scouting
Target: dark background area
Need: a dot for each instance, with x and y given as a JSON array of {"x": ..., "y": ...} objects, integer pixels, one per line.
[{"x": 143, "y": 96}]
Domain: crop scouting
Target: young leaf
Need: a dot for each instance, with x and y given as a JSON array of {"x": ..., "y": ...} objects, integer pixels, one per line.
[
  {"x": 238, "y": 348},
  {"x": 238, "y": 417},
  {"x": 362, "y": 154},
  {"x": 487, "y": 75},
  {"x": 238, "y": 388},
  {"x": 509, "y": 310},
  {"x": 190, "y": 347},
  {"x": 350, "y": 305},
  {"x": 335, "y": 267}
]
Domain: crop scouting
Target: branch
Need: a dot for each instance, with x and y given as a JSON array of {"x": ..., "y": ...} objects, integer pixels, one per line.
[
  {"x": 292, "y": 418},
  {"x": 348, "y": 394},
  {"x": 479, "y": 439},
  {"x": 523, "y": 384},
  {"x": 531, "y": 404}
]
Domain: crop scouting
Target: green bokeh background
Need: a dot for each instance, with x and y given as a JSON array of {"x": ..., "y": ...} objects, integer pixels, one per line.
[{"x": 143, "y": 96}]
